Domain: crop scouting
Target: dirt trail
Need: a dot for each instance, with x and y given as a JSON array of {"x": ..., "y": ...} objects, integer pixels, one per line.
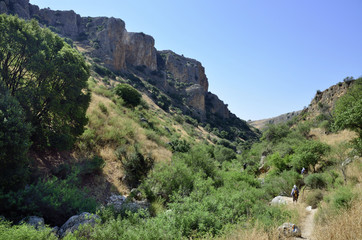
[{"x": 307, "y": 225}]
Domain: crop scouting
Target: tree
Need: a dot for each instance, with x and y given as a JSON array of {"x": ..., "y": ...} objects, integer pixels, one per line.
[
  {"x": 48, "y": 78},
  {"x": 309, "y": 153},
  {"x": 348, "y": 113},
  {"x": 130, "y": 95},
  {"x": 348, "y": 110},
  {"x": 14, "y": 142}
]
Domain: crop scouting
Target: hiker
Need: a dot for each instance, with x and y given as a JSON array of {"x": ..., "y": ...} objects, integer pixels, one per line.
[
  {"x": 295, "y": 193},
  {"x": 303, "y": 171}
]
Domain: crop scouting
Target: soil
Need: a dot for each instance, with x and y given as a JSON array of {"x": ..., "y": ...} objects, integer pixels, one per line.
[{"x": 307, "y": 225}]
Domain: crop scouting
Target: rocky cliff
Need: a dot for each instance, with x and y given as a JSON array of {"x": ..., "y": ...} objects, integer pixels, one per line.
[
  {"x": 121, "y": 51},
  {"x": 324, "y": 101}
]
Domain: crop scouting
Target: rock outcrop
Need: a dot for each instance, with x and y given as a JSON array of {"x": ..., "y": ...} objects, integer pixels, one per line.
[
  {"x": 74, "y": 222},
  {"x": 324, "y": 102},
  {"x": 111, "y": 42},
  {"x": 121, "y": 204},
  {"x": 185, "y": 70},
  {"x": 36, "y": 222}
]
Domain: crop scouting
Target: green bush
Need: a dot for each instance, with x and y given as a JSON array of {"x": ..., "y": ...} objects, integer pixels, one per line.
[
  {"x": 14, "y": 142},
  {"x": 92, "y": 166},
  {"x": 223, "y": 154},
  {"x": 24, "y": 231},
  {"x": 180, "y": 145},
  {"x": 135, "y": 166},
  {"x": 280, "y": 163},
  {"x": 342, "y": 198},
  {"x": 275, "y": 132},
  {"x": 55, "y": 200},
  {"x": 316, "y": 180},
  {"x": 130, "y": 95}
]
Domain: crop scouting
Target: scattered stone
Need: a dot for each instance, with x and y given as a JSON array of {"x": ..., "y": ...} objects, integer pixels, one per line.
[
  {"x": 116, "y": 201},
  {"x": 289, "y": 230},
  {"x": 36, "y": 222},
  {"x": 346, "y": 162},
  {"x": 74, "y": 222},
  {"x": 134, "y": 206}
]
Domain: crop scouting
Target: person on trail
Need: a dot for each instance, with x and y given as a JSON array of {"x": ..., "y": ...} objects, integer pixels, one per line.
[
  {"x": 295, "y": 193},
  {"x": 303, "y": 171}
]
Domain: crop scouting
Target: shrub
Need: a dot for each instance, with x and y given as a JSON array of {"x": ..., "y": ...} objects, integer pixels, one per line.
[
  {"x": 55, "y": 200},
  {"x": 180, "y": 145},
  {"x": 24, "y": 231},
  {"x": 135, "y": 166},
  {"x": 103, "y": 108},
  {"x": 281, "y": 163},
  {"x": 130, "y": 95},
  {"x": 315, "y": 180},
  {"x": 275, "y": 133},
  {"x": 314, "y": 198},
  {"x": 223, "y": 154},
  {"x": 342, "y": 198},
  {"x": 92, "y": 166}
]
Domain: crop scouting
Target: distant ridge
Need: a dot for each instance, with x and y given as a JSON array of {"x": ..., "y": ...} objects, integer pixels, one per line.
[{"x": 260, "y": 124}]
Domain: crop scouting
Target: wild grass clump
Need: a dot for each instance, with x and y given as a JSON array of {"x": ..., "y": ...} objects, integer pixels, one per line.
[
  {"x": 345, "y": 225},
  {"x": 314, "y": 198},
  {"x": 24, "y": 231}
]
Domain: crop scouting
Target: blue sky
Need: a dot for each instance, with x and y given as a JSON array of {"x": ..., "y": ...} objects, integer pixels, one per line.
[{"x": 263, "y": 58}]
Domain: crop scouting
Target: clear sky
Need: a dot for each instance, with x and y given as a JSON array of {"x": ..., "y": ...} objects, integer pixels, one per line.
[{"x": 262, "y": 57}]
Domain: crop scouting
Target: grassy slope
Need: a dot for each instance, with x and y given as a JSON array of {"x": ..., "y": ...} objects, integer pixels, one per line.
[{"x": 113, "y": 125}]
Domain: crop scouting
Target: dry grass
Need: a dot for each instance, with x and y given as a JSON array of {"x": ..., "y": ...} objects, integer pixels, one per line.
[
  {"x": 251, "y": 234},
  {"x": 354, "y": 170},
  {"x": 344, "y": 226},
  {"x": 332, "y": 139}
]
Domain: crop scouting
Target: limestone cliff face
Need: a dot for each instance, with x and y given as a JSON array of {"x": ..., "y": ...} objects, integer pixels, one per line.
[
  {"x": 216, "y": 106},
  {"x": 112, "y": 43},
  {"x": 184, "y": 69}
]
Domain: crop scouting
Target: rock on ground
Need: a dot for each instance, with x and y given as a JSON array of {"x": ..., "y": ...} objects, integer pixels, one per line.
[
  {"x": 289, "y": 230},
  {"x": 74, "y": 222},
  {"x": 280, "y": 200},
  {"x": 36, "y": 222}
]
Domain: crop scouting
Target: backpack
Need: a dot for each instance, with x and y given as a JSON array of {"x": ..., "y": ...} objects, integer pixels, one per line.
[{"x": 295, "y": 192}]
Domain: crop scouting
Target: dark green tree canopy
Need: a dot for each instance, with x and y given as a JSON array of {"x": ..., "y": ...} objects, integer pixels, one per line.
[
  {"x": 48, "y": 78},
  {"x": 130, "y": 95},
  {"x": 348, "y": 110},
  {"x": 14, "y": 142}
]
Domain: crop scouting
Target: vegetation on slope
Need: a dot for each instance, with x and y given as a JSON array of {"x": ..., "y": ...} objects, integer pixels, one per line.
[{"x": 196, "y": 184}]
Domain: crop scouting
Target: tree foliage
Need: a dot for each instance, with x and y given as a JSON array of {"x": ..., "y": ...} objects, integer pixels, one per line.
[
  {"x": 14, "y": 142},
  {"x": 130, "y": 95},
  {"x": 48, "y": 78},
  {"x": 348, "y": 110},
  {"x": 309, "y": 154}
]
